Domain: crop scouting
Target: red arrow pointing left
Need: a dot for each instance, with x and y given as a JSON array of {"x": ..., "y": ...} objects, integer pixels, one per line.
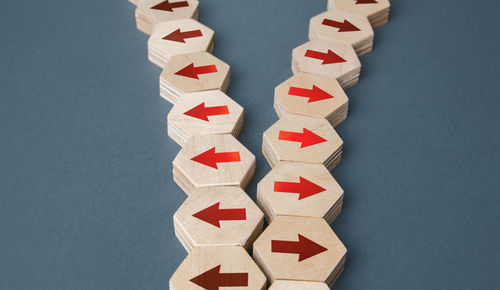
[
  {"x": 327, "y": 58},
  {"x": 201, "y": 112},
  {"x": 314, "y": 95},
  {"x": 192, "y": 71},
  {"x": 304, "y": 247},
  {"x": 210, "y": 158},
  {"x": 345, "y": 26},
  {"x": 179, "y": 36},
  {"x": 304, "y": 188},
  {"x": 213, "y": 279},
  {"x": 167, "y": 6},
  {"x": 307, "y": 138},
  {"x": 213, "y": 214}
]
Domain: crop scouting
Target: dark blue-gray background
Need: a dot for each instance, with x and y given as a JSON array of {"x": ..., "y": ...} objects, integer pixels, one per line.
[{"x": 86, "y": 190}]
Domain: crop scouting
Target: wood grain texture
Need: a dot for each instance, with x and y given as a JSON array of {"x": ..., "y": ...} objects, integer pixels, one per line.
[{"x": 298, "y": 285}]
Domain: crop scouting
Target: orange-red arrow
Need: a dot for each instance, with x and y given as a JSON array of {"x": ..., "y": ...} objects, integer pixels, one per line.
[
  {"x": 327, "y": 58},
  {"x": 192, "y": 71},
  {"x": 167, "y": 6},
  {"x": 304, "y": 188},
  {"x": 201, "y": 112},
  {"x": 304, "y": 247},
  {"x": 179, "y": 36},
  {"x": 314, "y": 95},
  {"x": 306, "y": 138},
  {"x": 366, "y": 1},
  {"x": 213, "y": 214},
  {"x": 345, "y": 26},
  {"x": 210, "y": 158},
  {"x": 213, "y": 279}
]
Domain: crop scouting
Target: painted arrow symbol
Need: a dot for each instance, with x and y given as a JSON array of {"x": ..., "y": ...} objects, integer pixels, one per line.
[
  {"x": 366, "y": 2},
  {"x": 201, "y": 112},
  {"x": 210, "y": 158},
  {"x": 192, "y": 71},
  {"x": 304, "y": 247},
  {"x": 213, "y": 279},
  {"x": 213, "y": 214},
  {"x": 179, "y": 36},
  {"x": 304, "y": 188},
  {"x": 327, "y": 58},
  {"x": 314, "y": 95},
  {"x": 306, "y": 138},
  {"x": 167, "y": 6},
  {"x": 345, "y": 26}
]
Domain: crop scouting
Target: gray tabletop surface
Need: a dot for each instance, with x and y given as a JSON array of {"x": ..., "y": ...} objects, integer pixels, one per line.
[{"x": 86, "y": 189}]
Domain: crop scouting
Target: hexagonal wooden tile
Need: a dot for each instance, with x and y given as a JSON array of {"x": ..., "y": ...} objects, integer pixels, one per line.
[
  {"x": 151, "y": 12},
  {"x": 301, "y": 249},
  {"x": 213, "y": 160},
  {"x": 218, "y": 216},
  {"x": 213, "y": 268},
  {"x": 193, "y": 72},
  {"x": 331, "y": 59},
  {"x": 302, "y": 139},
  {"x": 298, "y": 285},
  {"x": 300, "y": 189},
  {"x": 178, "y": 37},
  {"x": 349, "y": 28},
  {"x": 377, "y": 11},
  {"x": 311, "y": 95},
  {"x": 204, "y": 113}
]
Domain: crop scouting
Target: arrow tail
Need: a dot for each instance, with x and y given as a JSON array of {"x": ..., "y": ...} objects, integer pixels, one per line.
[
  {"x": 299, "y": 92},
  {"x": 332, "y": 23},
  {"x": 205, "y": 69},
  {"x": 217, "y": 110},
  {"x": 315, "y": 54},
  {"x": 227, "y": 157},
  {"x": 235, "y": 214},
  {"x": 233, "y": 280},
  {"x": 289, "y": 187},
  {"x": 290, "y": 136},
  {"x": 285, "y": 247},
  {"x": 191, "y": 34},
  {"x": 179, "y": 4}
]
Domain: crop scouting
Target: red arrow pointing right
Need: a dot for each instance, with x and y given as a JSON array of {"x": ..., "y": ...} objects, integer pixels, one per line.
[
  {"x": 201, "y": 112},
  {"x": 213, "y": 279},
  {"x": 314, "y": 95},
  {"x": 192, "y": 71},
  {"x": 307, "y": 138},
  {"x": 304, "y": 247},
  {"x": 213, "y": 215},
  {"x": 304, "y": 188},
  {"x": 345, "y": 26},
  {"x": 327, "y": 58},
  {"x": 167, "y": 6},
  {"x": 366, "y": 2},
  {"x": 179, "y": 36},
  {"x": 210, "y": 158}
]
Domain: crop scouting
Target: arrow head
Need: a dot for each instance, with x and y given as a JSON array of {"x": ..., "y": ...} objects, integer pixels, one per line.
[
  {"x": 309, "y": 139},
  {"x": 307, "y": 188},
  {"x": 332, "y": 57},
  {"x": 208, "y": 280},
  {"x": 175, "y": 36},
  {"x": 207, "y": 158},
  {"x": 165, "y": 6},
  {"x": 198, "y": 112},
  {"x": 308, "y": 248},
  {"x": 189, "y": 72},
  {"x": 318, "y": 95},
  {"x": 348, "y": 26},
  {"x": 209, "y": 215}
]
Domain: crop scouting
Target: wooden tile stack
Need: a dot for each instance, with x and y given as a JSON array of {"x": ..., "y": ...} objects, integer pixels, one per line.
[
  {"x": 377, "y": 11},
  {"x": 151, "y": 12}
]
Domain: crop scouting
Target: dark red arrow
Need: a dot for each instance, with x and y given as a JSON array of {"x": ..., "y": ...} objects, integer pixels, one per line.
[
  {"x": 213, "y": 215},
  {"x": 201, "y": 112},
  {"x": 179, "y": 36},
  {"x": 213, "y": 279},
  {"x": 210, "y": 158},
  {"x": 167, "y": 6},
  {"x": 304, "y": 188},
  {"x": 304, "y": 247},
  {"x": 314, "y": 95},
  {"x": 307, "y": 138},
  {"x": 192, "y": 71},
  {"x": 366, "y": 2},
  {"x": 327, "y": 58},
  {"x": 345, "y": 26}
]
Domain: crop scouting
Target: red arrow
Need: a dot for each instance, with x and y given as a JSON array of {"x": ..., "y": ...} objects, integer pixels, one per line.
[
  {"x": 179, "y": 36},
  {"x": 327, "y": 58},
  {"x": 213, "y": 279},
  {"x": 304, "y": 188},
  {"x": 201, "y": 112},
  {"x": 314, "y": 95},
  {"x": 307, "y": 138},
  {"x": 167, "y": 6},
  {"x": 191, "y": 71},
  {"x": 342, "y": 26},
  {"x": 213, "y": 215},
  {"x": 304, "y": 247},
  {"x": 366, "y": 1},
  {"x": 210, "y": 158}
]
